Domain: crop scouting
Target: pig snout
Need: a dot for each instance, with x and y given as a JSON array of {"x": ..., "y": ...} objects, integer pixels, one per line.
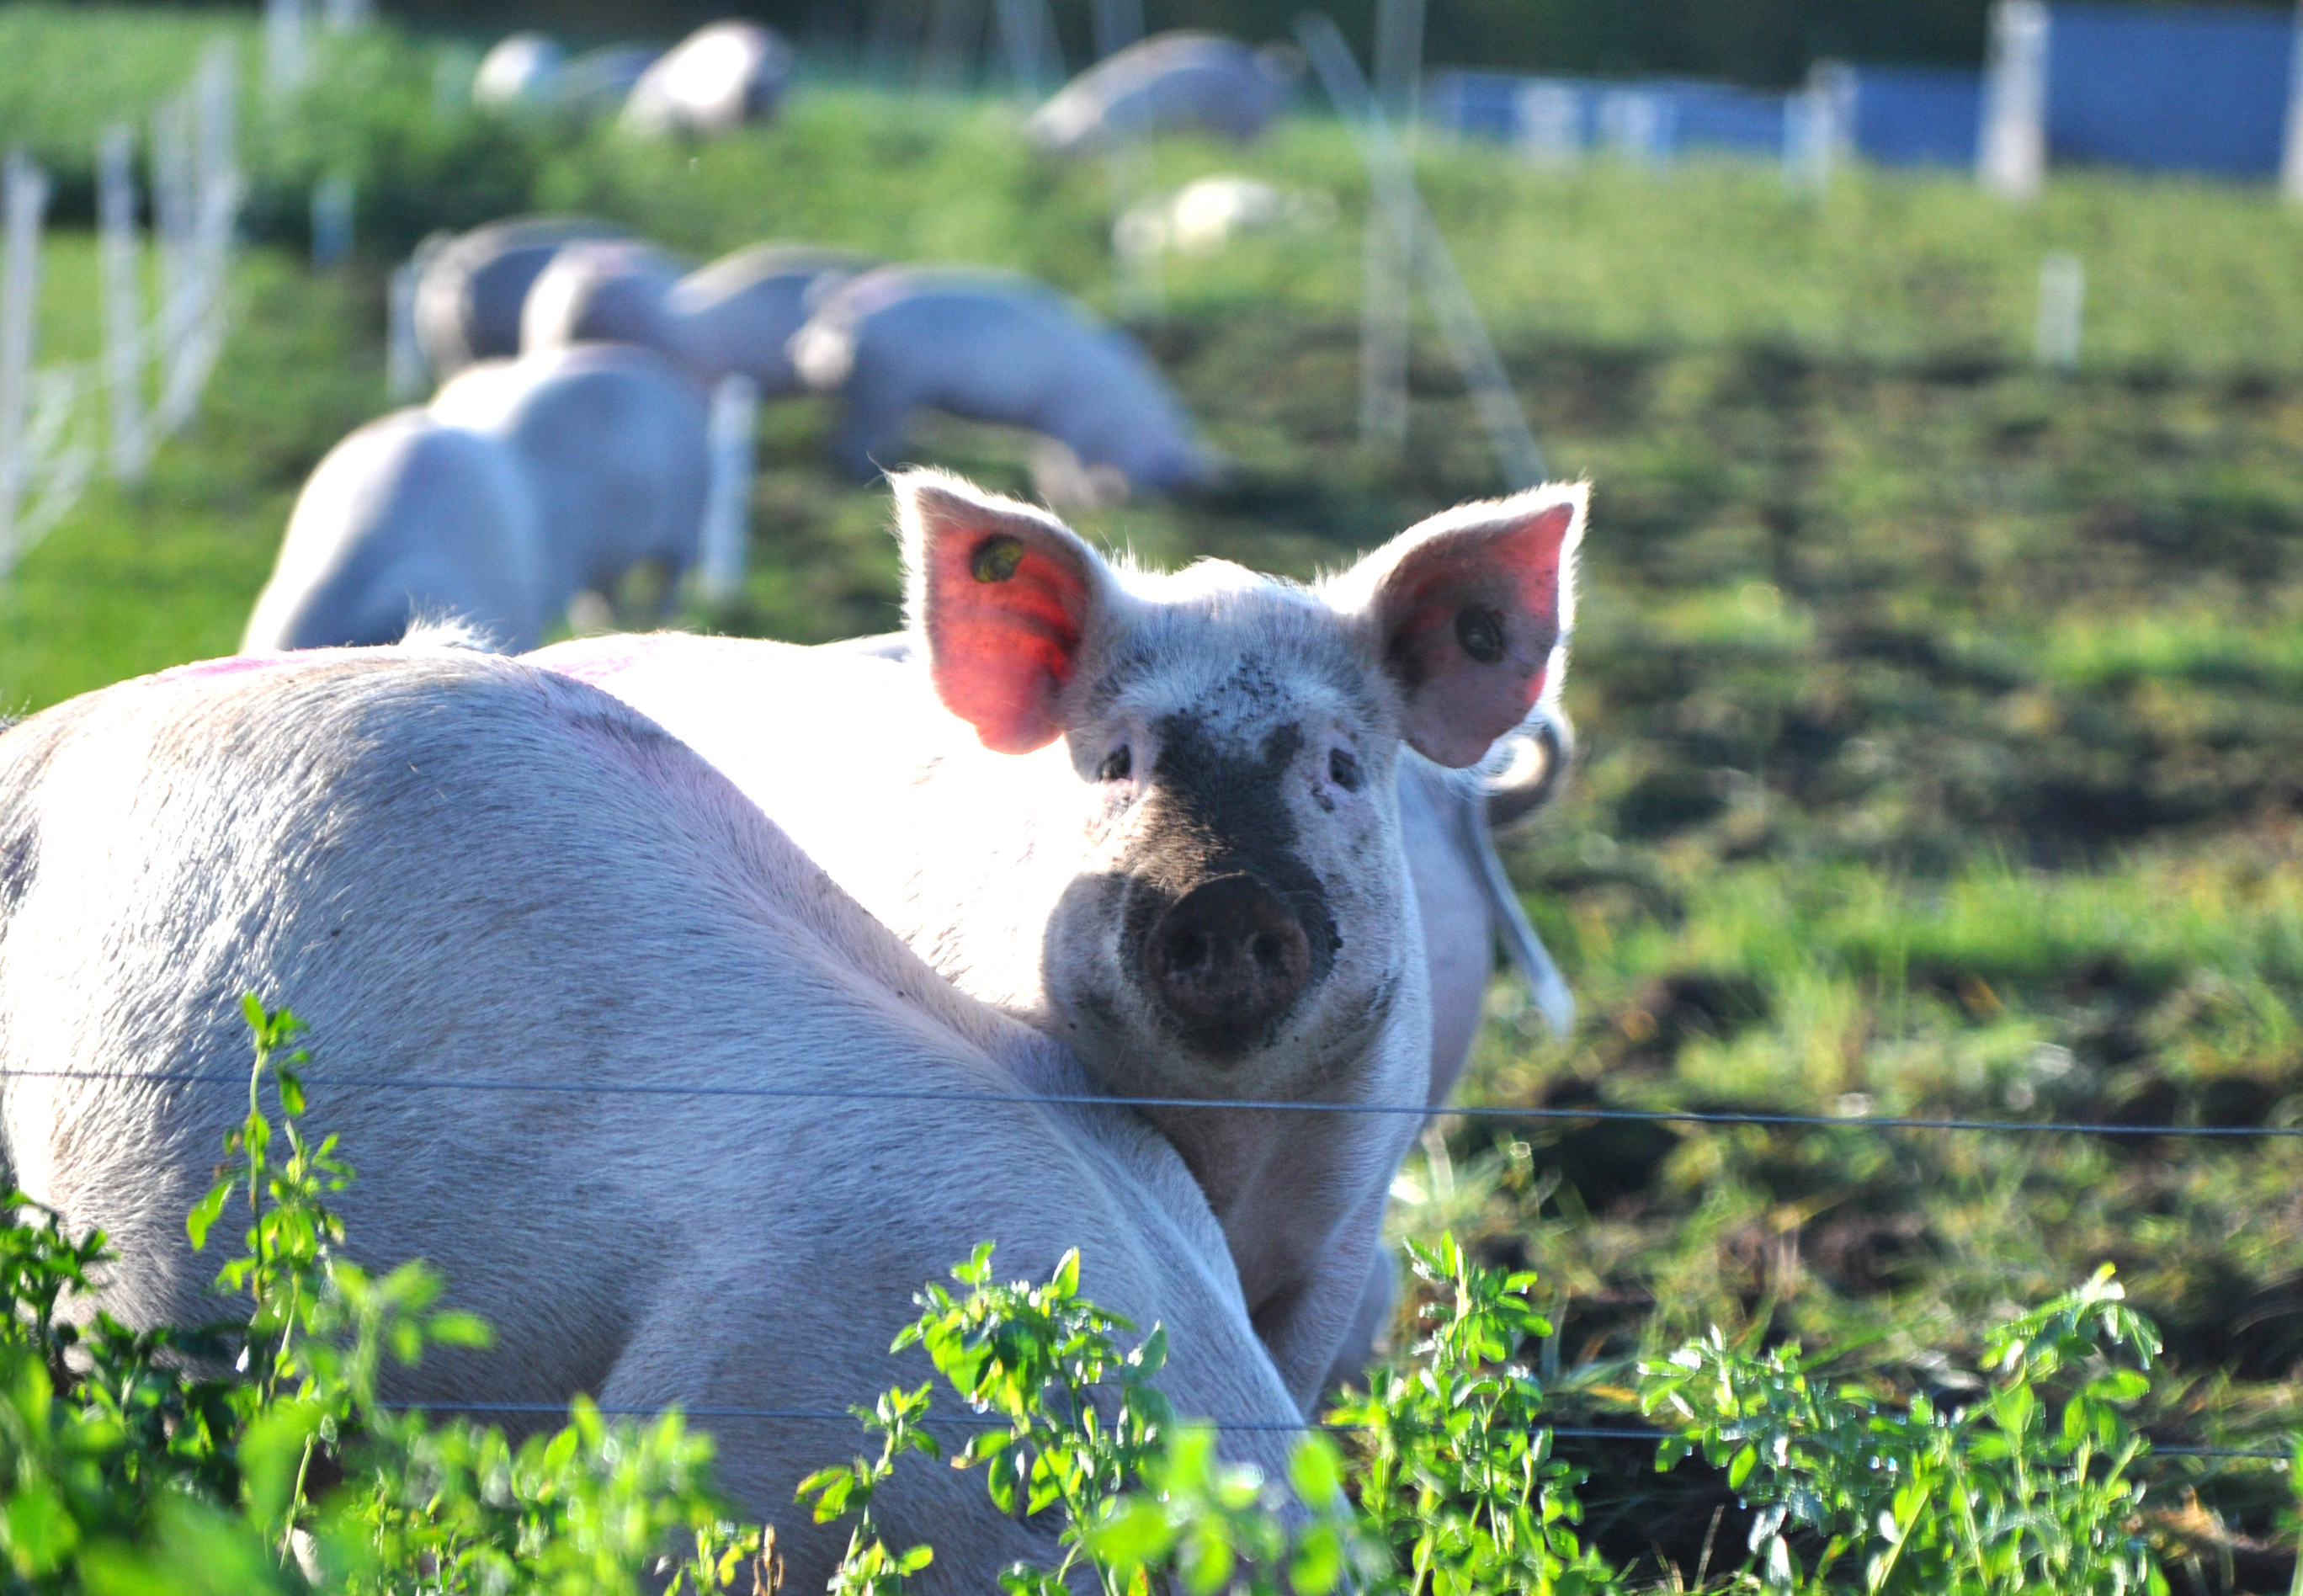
[{"x": 1227, "y": 961}]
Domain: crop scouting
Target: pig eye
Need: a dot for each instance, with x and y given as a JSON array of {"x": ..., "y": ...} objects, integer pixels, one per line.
[
  {"x": 1117, "y": 764},
  {"x": 1343, "y": 770}
]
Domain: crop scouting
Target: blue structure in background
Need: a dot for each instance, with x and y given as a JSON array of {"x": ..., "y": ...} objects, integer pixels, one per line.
[
  {"x": 1911, "y": 116},
  {"x": 2155, "y": 87},
  {"x": 1656, "y": 120},
  {"x": 2169, "y": 88}
]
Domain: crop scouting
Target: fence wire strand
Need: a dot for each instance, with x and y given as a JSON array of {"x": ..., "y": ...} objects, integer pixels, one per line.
[
  {"x": 1569, "y": 1114},
  {"x": 1267, "y": 1426}
]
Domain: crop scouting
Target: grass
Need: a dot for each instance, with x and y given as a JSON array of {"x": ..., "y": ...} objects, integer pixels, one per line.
[{"x": 1940, "y": 717}]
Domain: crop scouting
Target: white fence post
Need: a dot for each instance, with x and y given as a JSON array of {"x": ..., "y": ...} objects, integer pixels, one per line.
[
  {"x": 23, "y": 200},
  {"x": 1547, "y": 122},
  {"x": 2010, "y": 151},
  {"x": 1027, "y": 34},
  {"x": 1384, "y": 324},
  {"x": 285, "y": 59},
  {"x": 404, "y": 357},
  {"x": 120, "y": 262},
  {"x": 193, "y": 322},
  {"x": 1819, "y": 127},
  {"x": 332, "y": 204},
  {"x": 2291, "y": 161},
  {"x": 727, "y": 504},
  {"x": 2063, "y": 292}
]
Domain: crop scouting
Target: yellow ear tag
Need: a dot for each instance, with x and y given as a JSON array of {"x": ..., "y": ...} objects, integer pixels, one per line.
[{"x": 995, "y": 558}]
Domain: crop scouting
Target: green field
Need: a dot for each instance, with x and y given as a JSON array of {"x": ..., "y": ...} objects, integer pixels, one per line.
[{"x": 1943, "y": 719}]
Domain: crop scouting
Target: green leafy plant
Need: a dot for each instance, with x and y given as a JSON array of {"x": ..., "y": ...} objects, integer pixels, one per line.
[
  {"x": 1456, "y": 1474},
  {"x": 128, "y": 1465},
  {"x": 2028, "y": 1487}
]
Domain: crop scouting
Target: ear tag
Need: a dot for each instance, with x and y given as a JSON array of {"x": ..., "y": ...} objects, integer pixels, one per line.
[
  {"x": 1479, "y": 631},
  {"x": 995, "y": 558}
]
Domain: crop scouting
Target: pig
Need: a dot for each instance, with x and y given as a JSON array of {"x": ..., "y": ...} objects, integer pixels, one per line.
[
  {"x": 736, "y": 316},
  {"x": 1465, "y": 904},
  {"x": 469, "y": 290},
  {"x": 1157, "y": 818},
  {"x": 457, "y": 867},
  {"x": 608, "y": 291},
  {"x": 1198, "y": 80},
  {"x": 715, "y": 80},
  {"x": 993, "y": 346},
  {"x": 405, "y": 518},
  {"x": 520, "y": 69},
  {"x": 523, "y": 483},
  {"x": 599, "y": 81}
]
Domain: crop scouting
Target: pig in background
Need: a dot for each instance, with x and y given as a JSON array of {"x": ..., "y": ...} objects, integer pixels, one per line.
[
  {"x": 993, "y": 347},
  {"x": 1157, "y": 818},
  {"x": 522, "y": 485},
  {"x": 1184, "y": 80},
  {"x": 471, "y": 288},
  {"x": 737, "y": 315},
  {"x": 457, "y": 867},
  {"x": 718, "y": 79}
]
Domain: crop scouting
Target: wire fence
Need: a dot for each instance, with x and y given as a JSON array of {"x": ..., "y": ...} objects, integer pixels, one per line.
[
  {"x": 1253, "y": 1426},
  {"x": 58, "y": 420},
  {"x": 1475, "y": 1111},
  {"x": 1273, "y": 1105}
]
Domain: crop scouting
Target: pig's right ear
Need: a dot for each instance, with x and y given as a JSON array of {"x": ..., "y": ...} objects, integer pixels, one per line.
[{"x": 1004, "y": 599}]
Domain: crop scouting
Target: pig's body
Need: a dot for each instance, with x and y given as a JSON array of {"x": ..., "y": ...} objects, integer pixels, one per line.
[
  {"x": 470, "y": 290},
  {"x": 736, "y": 316},
  {"x": 1464, "y": 910},
  {"x": 521, "y": 486},
  {"x": 990, "y": 346},
  {"x": 462, "y": 868},
  {"x": 405, "y": 518},
  {"x": 719, "y": 78},
  {"x": 615, "y": 446},
  {"x": 1157, "y": 818},
  {"x": 1170, "y": 81}
]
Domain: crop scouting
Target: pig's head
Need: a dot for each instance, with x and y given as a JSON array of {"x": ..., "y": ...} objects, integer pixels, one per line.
[{"x": 1241, "y": 922}]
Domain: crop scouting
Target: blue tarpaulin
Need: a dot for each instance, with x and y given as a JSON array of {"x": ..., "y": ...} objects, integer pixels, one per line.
[
  {"x": 1914, "y": 115},
  {"x": 2156, "y": 87},
  {"x": 2169, "y": 88},
  {"x": 1654, "y": 120}
]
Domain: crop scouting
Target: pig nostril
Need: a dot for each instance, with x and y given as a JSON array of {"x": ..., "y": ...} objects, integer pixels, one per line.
[{"x": 1227, "y": 959}]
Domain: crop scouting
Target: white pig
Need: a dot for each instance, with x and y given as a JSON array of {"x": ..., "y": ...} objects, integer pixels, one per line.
[
  {"x": 991, "y": 346},
  {"x": 737, "y": 315},
  {"x": 719, "y": 78},
  {"x": 459, "y": 868},
  {"x": 1466, "y": 904},
  {"x": 469, "y": 290},
  {"x": 1197, "y": 81},
  {"x": 1157, "y": 817},
  {"x": 524, "y": 483}
]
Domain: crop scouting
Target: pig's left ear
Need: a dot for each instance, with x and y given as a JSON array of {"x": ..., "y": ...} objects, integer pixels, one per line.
[
  {"x": 1470, "y": 613},
  {"x": 1004, "y": 598}
]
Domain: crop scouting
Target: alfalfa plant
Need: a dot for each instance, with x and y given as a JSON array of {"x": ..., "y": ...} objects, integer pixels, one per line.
[
  {"x": 1456, "y": 1473},
  {"x": 170, "y": 1461},
  {"x": 2029, "y": 1486}
]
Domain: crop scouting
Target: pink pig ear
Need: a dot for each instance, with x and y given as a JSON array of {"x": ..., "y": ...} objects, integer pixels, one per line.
[
  {"x": 1005, "y": 597},
  {"x": 1471, "y": 612}
]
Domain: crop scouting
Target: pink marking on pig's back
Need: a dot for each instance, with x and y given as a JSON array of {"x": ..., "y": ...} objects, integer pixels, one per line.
[
  {"x": 235, "y": 664},
  {"x": 596, "y": 660}
]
